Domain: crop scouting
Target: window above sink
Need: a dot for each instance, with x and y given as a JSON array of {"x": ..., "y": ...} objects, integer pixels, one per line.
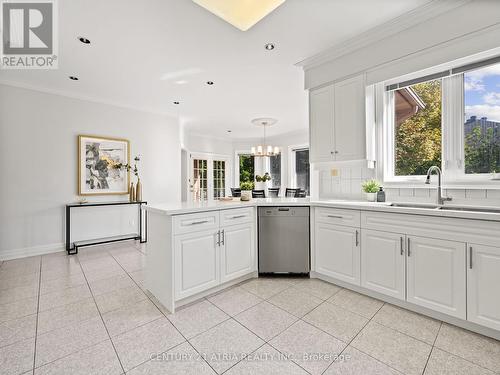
[{"x": 447, "y": 116}]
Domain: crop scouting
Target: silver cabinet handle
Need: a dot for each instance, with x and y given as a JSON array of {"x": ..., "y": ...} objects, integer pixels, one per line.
[
  {"x": 470, "y": 257},
  {"x": 401, "y": 245},
  {"x": 198, "y": 222},
  {"x": 218, "y": 238},
  {"x": 357, "y": 238},
  {"x": 237, "y": 216},
  {"x": 409, "y": 253},
  {"x": 223, "y": 234},
  {"x": 335, "y": 216}
]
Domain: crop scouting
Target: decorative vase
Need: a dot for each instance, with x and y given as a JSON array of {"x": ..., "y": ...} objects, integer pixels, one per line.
[
  {"x": 138, "y": 190},
  {"x": 131, "y": 192},
  {"x": 371, "y": 197}
]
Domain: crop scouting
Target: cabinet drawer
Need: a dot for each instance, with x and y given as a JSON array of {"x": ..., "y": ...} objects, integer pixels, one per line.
[
  {"x": 196, "y": 222},
  {"x": 351, "y": 218},
  {"x": 236, "y": 216}
]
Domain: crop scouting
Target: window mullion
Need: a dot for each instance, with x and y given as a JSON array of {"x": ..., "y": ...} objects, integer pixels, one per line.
[{"x": 453, "y": 149}]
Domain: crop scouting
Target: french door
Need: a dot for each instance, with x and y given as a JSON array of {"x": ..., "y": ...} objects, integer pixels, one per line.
[{"x": 208, "y": 176}]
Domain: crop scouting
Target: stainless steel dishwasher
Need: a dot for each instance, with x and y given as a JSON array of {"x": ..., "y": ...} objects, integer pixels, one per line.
[{"x": 284, "y": 240}]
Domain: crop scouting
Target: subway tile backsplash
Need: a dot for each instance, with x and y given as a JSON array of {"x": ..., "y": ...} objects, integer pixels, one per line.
[{"x": 347, "y": 185}]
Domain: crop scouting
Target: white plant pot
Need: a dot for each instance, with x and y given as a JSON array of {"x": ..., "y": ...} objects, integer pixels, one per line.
[
  {"x": 246, "y": 195},
  {"x": 371, "y": 197},
  {"x": 262, "y": 186}
]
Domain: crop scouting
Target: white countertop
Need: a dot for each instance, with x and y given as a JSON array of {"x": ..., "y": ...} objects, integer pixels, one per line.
[{"x": 193, "y": 207}]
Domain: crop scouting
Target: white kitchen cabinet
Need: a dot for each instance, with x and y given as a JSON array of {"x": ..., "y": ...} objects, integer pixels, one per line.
[
  {"x": 237, "y": 251},
  {"x": 197, "y": 262},
  {"x": 383, "y": 262},
  {"x": 337, "y": 121},
  {"x": 483, "y": 280},
  {"x": 337, "y": 252},
  {"x": 349, "y": 124},
  {"x": 436, "y": 275},
  {"x": 321, "y": 118}
]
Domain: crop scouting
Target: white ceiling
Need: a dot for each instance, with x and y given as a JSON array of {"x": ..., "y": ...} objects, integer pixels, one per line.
[{"x": 140, "y": 48}]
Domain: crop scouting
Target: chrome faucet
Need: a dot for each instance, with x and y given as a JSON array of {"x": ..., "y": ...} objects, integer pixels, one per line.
[{"x": 440, "y": 198}]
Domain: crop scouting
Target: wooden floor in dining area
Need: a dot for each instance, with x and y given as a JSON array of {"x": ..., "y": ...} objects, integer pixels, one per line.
[{"x": 89, "y": 314}]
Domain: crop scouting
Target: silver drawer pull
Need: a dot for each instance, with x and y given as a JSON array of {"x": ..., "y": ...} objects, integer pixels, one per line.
[
  {"x": 335, "y": 216},
  {"x": 198, "y": 222},
  {"x": 237, "y": 216},
  {"x": 470, "y": 257}
]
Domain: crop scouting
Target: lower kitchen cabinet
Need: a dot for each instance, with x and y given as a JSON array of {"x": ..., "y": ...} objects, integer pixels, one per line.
[
  {"x": 483, "y": 281},
  {"x": 237, "y": 251},
  {"x": 338, "y": 252},
  {"x": 436, "y": 276},
  {"x": 196, "y": 263},
  {"x": 383, "y": 262}
]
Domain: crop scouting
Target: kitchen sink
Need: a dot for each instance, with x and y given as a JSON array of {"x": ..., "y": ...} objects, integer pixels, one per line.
[
  {"x": 430, "y": 206},
  {"x": 416, "y": 205},
  {"x": 471, "y": 209}
]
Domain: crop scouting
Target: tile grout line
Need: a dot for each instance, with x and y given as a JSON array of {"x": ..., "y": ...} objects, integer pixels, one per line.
[
  {"x": 166, "y": 317},
  {"x": 432, "y": 348},
  {"x": 361, "y": 330},
  {"x": 100, "y": 315},
  {"x": 37, "y": 314},
  {"x": 268, "y": 342}
]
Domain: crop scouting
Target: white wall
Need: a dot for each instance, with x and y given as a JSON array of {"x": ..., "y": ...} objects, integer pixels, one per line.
[
  {"x": 38, "y": 164},
  {"x": 466, "y": 30},
  {"x": 204, "y": 144}
]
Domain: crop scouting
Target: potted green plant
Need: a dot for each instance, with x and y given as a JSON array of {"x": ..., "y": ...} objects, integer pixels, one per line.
[
  {"x": 246, "y": 190},
  {"x": 261, "y": 182},
  {"x": 371, "y": 187}
]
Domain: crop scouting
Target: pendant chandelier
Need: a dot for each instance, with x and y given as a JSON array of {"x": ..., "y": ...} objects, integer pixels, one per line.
[{"x": 264, "y": 149}]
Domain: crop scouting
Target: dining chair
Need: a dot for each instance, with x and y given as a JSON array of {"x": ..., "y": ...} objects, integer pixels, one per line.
[
  {"x": 273, "y": 192},
  {"x": 258, "y": 194},
  {"x": 290, "y": 193},
  {"x": 301, "y": 193},
  {"x": 236, "y": 192}
]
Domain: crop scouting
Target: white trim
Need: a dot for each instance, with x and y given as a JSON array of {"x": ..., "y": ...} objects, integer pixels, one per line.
[
  {"x": 409, "y": 19},
  {"x": 292, "y": 178},
  {"x": 31, "y": 251},
  {"x": 210, "y": 158},
  {"x": 87, "y": 98},
  {"x": 237, "y": 153},
  {"x": 453, "y": 164}
]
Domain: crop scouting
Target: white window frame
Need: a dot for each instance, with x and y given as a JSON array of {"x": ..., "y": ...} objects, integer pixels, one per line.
[
  {"x": 210, "y": 157},
  {"x": 292, "y": 176},
  {"x": 282, "y": 169},
  {"x": 237, "y": 153},
  {"x": 453, "y": 152}
]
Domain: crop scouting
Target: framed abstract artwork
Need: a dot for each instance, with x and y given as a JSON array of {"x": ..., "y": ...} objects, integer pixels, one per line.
[{"x": 99, "y": 159}]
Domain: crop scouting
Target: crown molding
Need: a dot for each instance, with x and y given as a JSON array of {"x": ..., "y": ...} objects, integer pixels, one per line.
[
  {"x": 92, "y": 99},
  {"x": 405, "y": 21}
]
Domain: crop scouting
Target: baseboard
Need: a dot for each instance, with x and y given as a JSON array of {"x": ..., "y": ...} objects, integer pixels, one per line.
[{"x": 31, "y": 251}]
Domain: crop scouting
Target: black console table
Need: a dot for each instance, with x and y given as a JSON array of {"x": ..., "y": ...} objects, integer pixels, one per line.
[{"x": 72, "y": 248}]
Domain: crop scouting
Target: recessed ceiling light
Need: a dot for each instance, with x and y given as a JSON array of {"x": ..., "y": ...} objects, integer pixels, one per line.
[
  {"x": 210, "y": 83},
  {"x": 84, "y": 40},
  {"x": 176, "y": 103},
  {"x": 240, "y": 14},
  {"x": 269, "y": 46},
  {"x": 73, "y": 78},
  {"x": 229, "y": 131}
]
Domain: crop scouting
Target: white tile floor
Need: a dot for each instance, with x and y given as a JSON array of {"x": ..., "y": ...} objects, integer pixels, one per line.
[{"x": 88, "y": 314}]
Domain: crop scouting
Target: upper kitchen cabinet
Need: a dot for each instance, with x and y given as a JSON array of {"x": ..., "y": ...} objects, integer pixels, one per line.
[{"x": 337, "y": 121}]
